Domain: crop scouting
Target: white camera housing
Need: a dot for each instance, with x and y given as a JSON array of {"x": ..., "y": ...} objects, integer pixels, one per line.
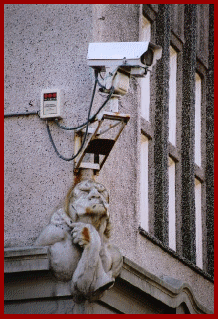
[{"x": 134, "y": 56}]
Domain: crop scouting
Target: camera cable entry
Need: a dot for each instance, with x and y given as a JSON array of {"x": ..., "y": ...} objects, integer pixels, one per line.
[{"x": 89, "y": 120}]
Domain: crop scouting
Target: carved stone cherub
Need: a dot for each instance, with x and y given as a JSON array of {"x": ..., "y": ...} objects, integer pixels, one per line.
[{"x": 78, "y": 238}]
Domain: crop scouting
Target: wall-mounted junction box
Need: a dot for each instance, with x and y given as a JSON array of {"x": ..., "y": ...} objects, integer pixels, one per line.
[{"x": 50, "y": 103}]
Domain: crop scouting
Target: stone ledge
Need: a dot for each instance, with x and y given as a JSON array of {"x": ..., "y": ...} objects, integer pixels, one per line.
[
  {"x": 174, "y": 254},
  {"x": 169, "y": 291},
  {"x": 22, "y": 259}
]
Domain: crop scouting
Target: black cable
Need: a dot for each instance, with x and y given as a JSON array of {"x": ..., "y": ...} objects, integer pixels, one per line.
[
  {"x": 107, "y": 99},
  {"x": 101, "y": 85},
  {"x": 86, "y": 132},
  {"x": 21, "y": 114},
  {"x": 90, "y": 120},
  {"x": 82, "y": 125},
  {"x": 69, "y": 128}
]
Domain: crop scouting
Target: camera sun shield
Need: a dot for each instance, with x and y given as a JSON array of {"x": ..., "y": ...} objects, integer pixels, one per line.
[{"x": 125, "y": 54}]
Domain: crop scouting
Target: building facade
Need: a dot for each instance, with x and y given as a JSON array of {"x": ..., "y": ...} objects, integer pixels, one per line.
[{"x": 159, "y": 173}]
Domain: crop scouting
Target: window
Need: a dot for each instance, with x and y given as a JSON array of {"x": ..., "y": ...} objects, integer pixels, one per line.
[
  {"x": 145, "y": 82},
  {"x": 172, "y": 96},
  {"x": 197, "y": 120},
  {"x": 172, "y": 140},
  {"x": 177, "y": 147},
  {"x": 172, "y": 208},
  {"x": 198, "y": 224},
  {"x": 144, "y": 183}
]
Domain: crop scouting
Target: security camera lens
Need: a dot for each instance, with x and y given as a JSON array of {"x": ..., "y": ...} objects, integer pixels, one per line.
[{"x": 147, "y": 57}]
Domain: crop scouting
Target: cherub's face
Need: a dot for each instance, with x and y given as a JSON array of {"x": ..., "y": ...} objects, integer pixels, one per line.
[{"x": 89, "y": 197}]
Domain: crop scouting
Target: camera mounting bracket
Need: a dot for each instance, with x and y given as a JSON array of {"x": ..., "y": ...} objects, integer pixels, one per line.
[{"x": 95, "y": 144}]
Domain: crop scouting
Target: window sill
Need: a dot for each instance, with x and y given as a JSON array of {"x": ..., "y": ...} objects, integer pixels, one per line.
[
  {"x": 176, "y": 255},
  {"x": 146, "y": 128},
  {"x": 173, "y": 152},
  {"x": 199, "y": 173}
]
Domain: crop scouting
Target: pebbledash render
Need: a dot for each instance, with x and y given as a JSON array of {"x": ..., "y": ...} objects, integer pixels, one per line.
[{"x": 128, "y": 230}]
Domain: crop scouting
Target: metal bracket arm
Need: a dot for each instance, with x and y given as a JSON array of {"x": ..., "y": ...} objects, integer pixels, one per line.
[{"x": 97, "y": 145}]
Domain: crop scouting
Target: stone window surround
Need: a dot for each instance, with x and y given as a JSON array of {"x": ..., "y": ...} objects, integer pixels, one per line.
[{"x": 146, "y": 128}]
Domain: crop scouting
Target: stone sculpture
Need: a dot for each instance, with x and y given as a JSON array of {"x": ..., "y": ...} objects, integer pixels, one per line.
[{"x": 78, "y": 236}]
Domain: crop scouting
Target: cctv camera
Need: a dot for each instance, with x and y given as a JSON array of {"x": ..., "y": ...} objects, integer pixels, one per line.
[
  {"x": 135, "y": 57},
  {"x": 120, "y": 60}
]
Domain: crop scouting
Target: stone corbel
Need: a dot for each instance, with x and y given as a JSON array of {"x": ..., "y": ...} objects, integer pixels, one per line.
[{"x": 78, "y": 239}]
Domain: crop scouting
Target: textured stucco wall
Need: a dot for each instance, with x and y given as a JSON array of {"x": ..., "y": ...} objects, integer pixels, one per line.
[{"x": 46, "y": 46}]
